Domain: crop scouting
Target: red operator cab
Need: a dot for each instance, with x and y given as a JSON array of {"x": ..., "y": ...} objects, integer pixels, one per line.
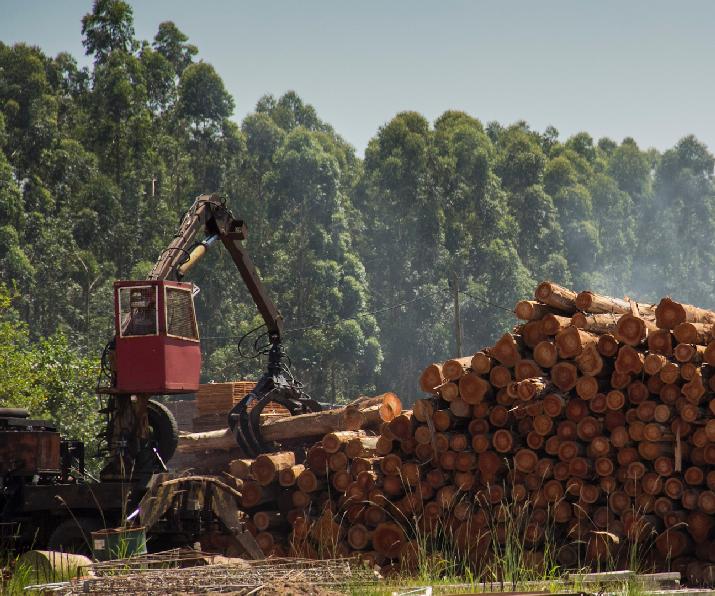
[{"x": 157, "y": 347}]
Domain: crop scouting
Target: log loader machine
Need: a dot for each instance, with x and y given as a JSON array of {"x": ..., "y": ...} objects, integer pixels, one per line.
[{"x": 155, "y": 351}]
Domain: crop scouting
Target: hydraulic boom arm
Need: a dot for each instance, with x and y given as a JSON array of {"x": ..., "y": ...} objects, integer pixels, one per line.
[{"x": 209, "y": 214}]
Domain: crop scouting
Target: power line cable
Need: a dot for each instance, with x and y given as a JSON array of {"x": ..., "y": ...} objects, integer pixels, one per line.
[
  {"x": 485, "y": 301},
  {"x": 342, "y": 319},
  {"x": 323, "y": 324},
  {"x": 365, "y": 313}
]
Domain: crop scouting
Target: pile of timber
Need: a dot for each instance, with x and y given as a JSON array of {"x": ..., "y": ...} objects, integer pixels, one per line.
[
  {"x": 593, "y": 422},
  {"x": 213, "y": 398}
]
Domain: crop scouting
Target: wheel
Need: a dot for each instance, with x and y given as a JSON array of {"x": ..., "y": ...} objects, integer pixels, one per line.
[
  {"x": 74, "y": 535},
  {"x": 164, "y": 430},
  {"x": 13, "y": 413}
]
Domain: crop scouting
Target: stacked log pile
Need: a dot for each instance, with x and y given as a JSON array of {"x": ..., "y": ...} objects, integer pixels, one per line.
[{"x": 592, "y": 421}]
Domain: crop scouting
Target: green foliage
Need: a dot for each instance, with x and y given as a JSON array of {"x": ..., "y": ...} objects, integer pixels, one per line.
[
  {"x": 202, "y": 95},
  {"x": 170, "y": 42},
  {"x": 108, "y": 29},
  {"x": 50, "y": 378},
  {"x": 362, "y": 256}
]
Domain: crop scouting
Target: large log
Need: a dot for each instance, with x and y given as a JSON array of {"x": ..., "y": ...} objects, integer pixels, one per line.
[
  {"x": 530, "y": 310},
  {"x": 599, "y": 323},
  {"x": 553, "y": 324},
  {"x": 669, "y": 314},
  {"x": 280, "y": 429},
  {"x": 312, "y": 425},
  {"x": 632, "y": 329},
  {"x": 557, "y": 297},
  {"x": 214, "y": 440},
  {"x": 591, "y": 302}
]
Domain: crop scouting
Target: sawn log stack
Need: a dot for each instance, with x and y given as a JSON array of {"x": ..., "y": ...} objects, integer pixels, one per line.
[{"x": 593, "y": 421}]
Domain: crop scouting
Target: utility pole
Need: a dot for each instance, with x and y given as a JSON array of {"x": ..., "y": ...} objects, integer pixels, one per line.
[{"x": 457, "y": 316}]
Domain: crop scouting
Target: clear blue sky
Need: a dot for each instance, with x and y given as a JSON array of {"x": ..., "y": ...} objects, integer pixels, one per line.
[{"x": 613, "y": 68}]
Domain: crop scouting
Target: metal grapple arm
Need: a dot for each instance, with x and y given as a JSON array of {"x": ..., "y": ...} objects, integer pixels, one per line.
[{"x": 210, "y": 215}]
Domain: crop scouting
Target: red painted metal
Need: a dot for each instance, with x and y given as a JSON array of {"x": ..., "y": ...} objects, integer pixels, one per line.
[{"x": 149, "y": 359}]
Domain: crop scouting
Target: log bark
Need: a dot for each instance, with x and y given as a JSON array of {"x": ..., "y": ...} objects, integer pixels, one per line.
[
  {"x": 363, "y": 446},
  {"x": 591, "y": 302},
  {"x": 552, "y": 324},
  {"x": 530, "y": 310},
  {"x": 389, "y": 404},
  {"x": 312, "y": 425},
  {"x": 214, "y": 440},
  {"x": 557, "y": 297},
  {"x": 599, "y": 324}
]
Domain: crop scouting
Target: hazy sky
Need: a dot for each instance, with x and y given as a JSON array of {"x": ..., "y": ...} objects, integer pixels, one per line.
[{"x": 613, "y": 68}]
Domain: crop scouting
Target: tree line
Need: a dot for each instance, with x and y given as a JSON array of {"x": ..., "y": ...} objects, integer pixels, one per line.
[{"x": 364, "y": 256}]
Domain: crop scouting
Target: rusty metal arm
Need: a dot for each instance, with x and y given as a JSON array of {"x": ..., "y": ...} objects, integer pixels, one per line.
[
  {"x": 180, "y": 248},
  {"x": 209, "y": 213}
]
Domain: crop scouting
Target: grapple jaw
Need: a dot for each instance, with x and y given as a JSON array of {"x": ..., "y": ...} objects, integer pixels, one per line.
[{"x": 275, "y": 386}]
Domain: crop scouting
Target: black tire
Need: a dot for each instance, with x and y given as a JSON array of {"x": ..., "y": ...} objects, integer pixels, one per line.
[
  {"x": 13, "y": 413},
  {"x": 74, "y": 535},
  {"x": 164, "y": 429}
]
